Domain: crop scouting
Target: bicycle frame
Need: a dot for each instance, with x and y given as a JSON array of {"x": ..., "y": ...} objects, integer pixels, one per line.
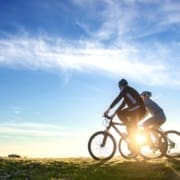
[
  {"x": 114, "y": 126},
  {"x": 121, "y": 134},
  {"x": 104, "y": 140}
]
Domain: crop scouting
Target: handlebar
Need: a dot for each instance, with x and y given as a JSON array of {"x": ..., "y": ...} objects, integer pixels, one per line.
[
  {"x": 109, "y": 120},
  {"x": 108, "y": 117}
]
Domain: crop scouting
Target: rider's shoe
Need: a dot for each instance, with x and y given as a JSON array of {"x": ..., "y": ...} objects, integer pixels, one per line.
[{"x": 132, "y": 155}]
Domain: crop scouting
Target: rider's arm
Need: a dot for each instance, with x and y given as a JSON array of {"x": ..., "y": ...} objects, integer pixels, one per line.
[
  {"x": 118, "y": 98},
  {"x": 122, "y": 105}
]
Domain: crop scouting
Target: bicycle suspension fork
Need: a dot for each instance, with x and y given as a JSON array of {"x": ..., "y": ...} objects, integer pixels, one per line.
[{"x": 105, "y": 135}]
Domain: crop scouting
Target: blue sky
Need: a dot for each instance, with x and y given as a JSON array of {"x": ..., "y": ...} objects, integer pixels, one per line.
[{"x": 60, "y": 62}]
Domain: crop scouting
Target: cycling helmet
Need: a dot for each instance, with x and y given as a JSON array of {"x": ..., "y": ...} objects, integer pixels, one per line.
[
  {"x": 146, "y": 93},
  {"x": 123, "y": 82}
]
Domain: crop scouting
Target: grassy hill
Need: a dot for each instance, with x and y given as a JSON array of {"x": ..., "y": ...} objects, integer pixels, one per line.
[{"x": 86, "y": 168}]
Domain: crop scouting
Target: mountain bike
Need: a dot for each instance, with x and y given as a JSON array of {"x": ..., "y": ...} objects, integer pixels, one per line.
[{"x": 102, "y": 144}]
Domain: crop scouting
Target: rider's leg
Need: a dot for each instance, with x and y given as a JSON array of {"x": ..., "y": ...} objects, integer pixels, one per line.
[
  {"x": 132, "y": 127},
  {"x": 122, "y": 115},
  {"x": 154, "y": 122},
  {"x": 149, "y": 123},
  {"x": 130, "y": 119},
  {"x": 132, "y": 130}
]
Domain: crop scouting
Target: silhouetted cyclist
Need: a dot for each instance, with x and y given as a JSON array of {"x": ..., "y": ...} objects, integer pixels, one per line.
[
  {"x": 130, "y": 111},
  {"x": 157, "y": 114}
]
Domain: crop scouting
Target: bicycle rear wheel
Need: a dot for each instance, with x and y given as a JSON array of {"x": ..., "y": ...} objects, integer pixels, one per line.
[
  {"x": 156, "y": 145},
  {"x": 173, "y": 139},
  {"x": 102, "y": 146},
  {"x": 124, "y": 148}
]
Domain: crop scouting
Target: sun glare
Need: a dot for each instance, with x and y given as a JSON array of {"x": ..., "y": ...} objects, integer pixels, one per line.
[{"x": 140, "y": 138}]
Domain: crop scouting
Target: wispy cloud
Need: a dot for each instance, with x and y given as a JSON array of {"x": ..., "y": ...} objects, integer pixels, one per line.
[
  {"x": 112, "y": 47},
  {"x": 172, "y": 12},
  {"x": 16, "y": 110},
  {"x": 130, "y": 19},
  {"x": 135, "y": 62},
  {"x": 37, "y": 130}
]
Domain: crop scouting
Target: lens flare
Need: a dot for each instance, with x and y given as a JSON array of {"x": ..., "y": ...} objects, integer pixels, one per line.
[{"x": 140, "y": 139}]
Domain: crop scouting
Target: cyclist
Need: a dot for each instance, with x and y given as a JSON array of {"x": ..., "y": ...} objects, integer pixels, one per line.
[
  {"x": 130, "y": 111},
  {"x": 157, "y": 114}
]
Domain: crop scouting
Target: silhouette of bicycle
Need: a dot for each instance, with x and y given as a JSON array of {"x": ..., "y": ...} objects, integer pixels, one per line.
[{"x": 151, "y": 143}]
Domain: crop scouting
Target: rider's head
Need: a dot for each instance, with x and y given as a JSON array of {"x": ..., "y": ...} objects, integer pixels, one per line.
[
  {"x": 123, "y": 83},
  {"x": 146, "y": 94}
]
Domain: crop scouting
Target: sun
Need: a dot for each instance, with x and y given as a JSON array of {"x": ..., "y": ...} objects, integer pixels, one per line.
[{"x": 140, "y": 138}]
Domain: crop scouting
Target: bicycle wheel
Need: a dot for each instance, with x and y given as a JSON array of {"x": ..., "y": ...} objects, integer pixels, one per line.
[
  {"x": 124, "y": 148},
  {"x": 173, "y": 139},
  {"x": 102, "y": 146},
  {"x": 155, "y": 145}
]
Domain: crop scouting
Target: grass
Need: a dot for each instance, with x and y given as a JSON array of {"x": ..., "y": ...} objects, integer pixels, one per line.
[{"x": 86, "y": 168}]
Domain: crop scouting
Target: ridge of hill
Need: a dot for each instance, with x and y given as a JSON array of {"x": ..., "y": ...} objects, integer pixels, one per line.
[{"x": 86, "y": 168}]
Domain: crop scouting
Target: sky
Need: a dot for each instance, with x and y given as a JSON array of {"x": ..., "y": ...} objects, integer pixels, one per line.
[{"x": 60, "y": 63}]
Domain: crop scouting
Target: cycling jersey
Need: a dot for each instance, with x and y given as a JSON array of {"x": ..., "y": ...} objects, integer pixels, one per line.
[
  {"x": 152, "y": 107},
  {"x": 157, "y": 114},
  {"x": 130, "y": 97}
]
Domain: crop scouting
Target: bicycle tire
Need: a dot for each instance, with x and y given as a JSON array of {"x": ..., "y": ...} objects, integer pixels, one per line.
[
  {"x": 173, "y": 139},
  {"x": 157, "y": 148},
  {"x": 97, "y": 150},
  {"x": 123, "y": 148}
]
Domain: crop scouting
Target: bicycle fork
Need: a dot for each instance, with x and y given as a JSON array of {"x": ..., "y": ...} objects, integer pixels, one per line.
[{"x": 104, "y": 139}]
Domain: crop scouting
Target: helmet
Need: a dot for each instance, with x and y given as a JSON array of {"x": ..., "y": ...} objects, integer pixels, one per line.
[
  {"x": 146, "y": 93},
  {"x": 123, "y": 82}
]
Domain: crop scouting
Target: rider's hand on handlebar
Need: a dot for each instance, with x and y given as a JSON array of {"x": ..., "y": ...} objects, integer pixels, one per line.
[
  {"x": 106, "y": 113},
  {"x": 107, "y": 116}
]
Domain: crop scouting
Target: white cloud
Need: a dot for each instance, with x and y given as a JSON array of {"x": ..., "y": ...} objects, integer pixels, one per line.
[
  {"x": 16, "y": 110},
  {"x": 136, "y": 62},
  {"x": 121, "y": 23},
  {"x": 30, "y": 129},
  {"x": 130, "y": 19}
]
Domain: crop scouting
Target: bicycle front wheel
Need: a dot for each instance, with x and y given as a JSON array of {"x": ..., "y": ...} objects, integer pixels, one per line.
[
  {"x": 173, "y": 139},
  {"x": 102, "y": 146},
  {"x": 156, "y": 145}
]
